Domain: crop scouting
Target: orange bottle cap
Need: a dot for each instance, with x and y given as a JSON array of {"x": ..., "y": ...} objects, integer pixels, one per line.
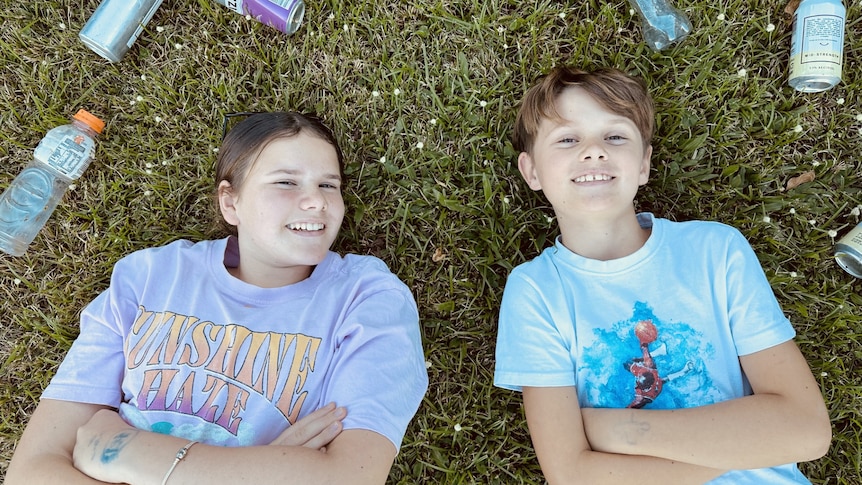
[{"x": 93, "y": 122}]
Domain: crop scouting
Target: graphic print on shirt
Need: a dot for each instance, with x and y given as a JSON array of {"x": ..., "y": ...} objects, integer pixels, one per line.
[
  {"x": 646, "y": 362},
  {"x": 229, "y": 366}
]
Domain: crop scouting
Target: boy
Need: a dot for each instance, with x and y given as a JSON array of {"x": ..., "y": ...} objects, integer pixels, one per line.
[{"x": 647, "y": 351}]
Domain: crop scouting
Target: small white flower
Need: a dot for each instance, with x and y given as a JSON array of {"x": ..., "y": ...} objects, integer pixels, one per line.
[
  {"x": 483, "y": 103},
  {"x": 505, "y": 46},
  {"x": 383, "y": 159},
  {"x": 856, "y": 210},
  {"x": 859, "y": 117},
  {"x": 797, "y": 128},
  {"x": 178, "y": 46},
  {"x": 148, "y": 172},
  {"x": 720, "y": 17},
  {"x": 433, "y": 121},
  {"x": 427, "y": 364},
  {"x": 345, "y": 27},
  {"x": 147, "y": 193},
  {"x": 164, "y": 163},
  {"x": 832, "y": 233},
  {"x": 770, "y": 27},
  {"x": 824, "y": 374},
  {"x": 132, "y": 102},
  {"x": 248, "y": 17},
  {"x": 375, "y": 93},
  {"x": 16, "y": 281},
  {"x": 742, "y": 73},
  {"x": 420, "y": 145},
  {"x": 839, "y": 101},
  {"x": 139, "y": 98},
  {"x": 160, "y": 29},
  {"x": 767, "y": 219},
  {"x": 793, "y": 274},
  {"x": 143, "y": 77},
  {"x": 62, "y": 26},
  {"x": 149, "y": 165},
  {"x": 813, "y": 222},
  {"x": 562, "y": 15},
  {"x": 506, "y": 199},
  {"x": 72, "y": 186},
  {"x": 792, "y": 210},
  {"x": 457, "y": 427},
  {"x": 486, "y": 163},
  {"x": 501, "y": 29},
  {"x": 158, "y": 119},
  {"x": 215, "y": 150},
  {"x": 331, "y": 16},
  {"x": 815, "y": 163},
  {"x": 631, "y": 11},
  {"x": 549, "y": 219},
  {"x": 396, "y": 92}
]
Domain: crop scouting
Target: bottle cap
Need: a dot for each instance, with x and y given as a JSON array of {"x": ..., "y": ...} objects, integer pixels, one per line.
[{"x": 93, "y": 122}]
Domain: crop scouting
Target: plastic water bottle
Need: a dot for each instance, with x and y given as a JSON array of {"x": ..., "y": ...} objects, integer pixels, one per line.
[
  {"x": 59, "y": 159},
  {"x": 282, "y": 15},
  {"x": 662, "y": 24}
]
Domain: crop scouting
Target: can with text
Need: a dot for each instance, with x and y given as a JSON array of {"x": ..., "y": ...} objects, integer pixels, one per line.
[
  {"x": 817, "y": 45},
  {"x": 116, "y": 25},
  {"x": 848, "y": 251}
]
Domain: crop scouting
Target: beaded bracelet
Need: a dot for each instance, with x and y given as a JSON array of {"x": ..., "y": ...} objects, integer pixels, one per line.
[{"x": 180, "y": 455}]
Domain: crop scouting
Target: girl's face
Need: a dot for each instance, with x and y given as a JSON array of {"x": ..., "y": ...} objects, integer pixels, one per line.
[{"x": 287, "y": 212}]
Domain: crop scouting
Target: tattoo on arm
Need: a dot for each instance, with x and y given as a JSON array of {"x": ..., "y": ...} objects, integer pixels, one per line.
[
  {"x": 112, "y": 450},
  {"x": 631, "y": 431}
]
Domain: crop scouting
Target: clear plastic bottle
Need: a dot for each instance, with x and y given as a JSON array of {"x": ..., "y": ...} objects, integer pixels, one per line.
[
  {"x": 662, "y": 24},
  {"x": 283, "y": 15},
  {"x": 59, "y": 159}
]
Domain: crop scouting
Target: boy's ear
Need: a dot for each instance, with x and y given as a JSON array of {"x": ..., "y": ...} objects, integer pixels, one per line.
[
  {"x": 227, "y": 203},
  {"x": 645, "y": 166},
  {"x": 527, "y": 167}
]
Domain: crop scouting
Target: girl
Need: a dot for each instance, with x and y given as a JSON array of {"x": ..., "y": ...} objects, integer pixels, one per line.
[{"x": 262, "y": 357}]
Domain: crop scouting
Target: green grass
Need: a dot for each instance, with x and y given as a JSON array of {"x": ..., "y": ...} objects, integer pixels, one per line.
[{"x": 388, "y": 76}]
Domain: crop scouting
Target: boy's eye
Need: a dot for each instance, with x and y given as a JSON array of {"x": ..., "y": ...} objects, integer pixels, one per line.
[{"x": 616, "y": 138}]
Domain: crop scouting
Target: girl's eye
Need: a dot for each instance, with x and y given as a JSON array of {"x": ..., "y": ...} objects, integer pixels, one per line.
[
  {"x": 329, "y": 186},
  {"x": 285, "y": 182},
  {"x": 568, "y": 140}
]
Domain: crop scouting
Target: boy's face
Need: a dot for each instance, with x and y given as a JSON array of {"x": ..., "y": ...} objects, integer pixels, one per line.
[
  {"x": 591, "y": 161},
  {"x": 289, "y": 208}
]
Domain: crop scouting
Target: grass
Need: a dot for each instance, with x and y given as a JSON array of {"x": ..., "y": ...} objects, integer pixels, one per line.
[{"x": 423, "y": 95}]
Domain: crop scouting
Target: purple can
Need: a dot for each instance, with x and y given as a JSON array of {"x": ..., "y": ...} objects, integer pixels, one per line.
[{"x": 282, "y": 15}]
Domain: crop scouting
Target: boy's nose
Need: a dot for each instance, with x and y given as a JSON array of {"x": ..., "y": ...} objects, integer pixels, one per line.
[{"x": 593, "y": 151}]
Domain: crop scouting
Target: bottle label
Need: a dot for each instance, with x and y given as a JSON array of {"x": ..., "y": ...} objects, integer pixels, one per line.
[{"x": 69, "y": 155}]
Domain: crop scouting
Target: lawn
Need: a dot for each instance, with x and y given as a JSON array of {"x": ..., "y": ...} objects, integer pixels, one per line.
[{"x": 422, "y": 95}]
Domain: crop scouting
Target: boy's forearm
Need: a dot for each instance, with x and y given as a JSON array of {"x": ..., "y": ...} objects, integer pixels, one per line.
[{"x": 752, "y": 432}]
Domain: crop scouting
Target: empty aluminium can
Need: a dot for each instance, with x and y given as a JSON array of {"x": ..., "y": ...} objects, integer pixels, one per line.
[
  {"x": 817, "y": 45},
  {"x": 848, "y": 251},
  {"x": 115, "y": 25}
]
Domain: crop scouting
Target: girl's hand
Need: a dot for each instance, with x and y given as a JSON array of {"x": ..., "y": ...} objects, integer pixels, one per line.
[
  {"x": 315, "y": 430},
  {"x": 100, "y": 443}
]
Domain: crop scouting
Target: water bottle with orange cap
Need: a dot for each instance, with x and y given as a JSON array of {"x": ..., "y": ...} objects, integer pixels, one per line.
[{"x": 58, "y": 160}]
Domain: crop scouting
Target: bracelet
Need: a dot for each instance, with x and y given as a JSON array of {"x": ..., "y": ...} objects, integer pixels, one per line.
[{"x": 180, "y": 455}]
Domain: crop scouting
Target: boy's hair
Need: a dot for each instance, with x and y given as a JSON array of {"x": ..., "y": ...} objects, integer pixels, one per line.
[
  {"x": 244, "y": 142},
  {"x": 617, "y": 91}
]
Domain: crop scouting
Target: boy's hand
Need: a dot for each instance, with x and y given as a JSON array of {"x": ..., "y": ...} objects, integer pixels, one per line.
[{"x": 316, "y": 430}]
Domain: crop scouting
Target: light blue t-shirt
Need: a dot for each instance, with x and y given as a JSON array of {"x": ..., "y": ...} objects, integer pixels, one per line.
[
  {"x": 182, "y": 347},
  {"x": 662, "y": 328}
]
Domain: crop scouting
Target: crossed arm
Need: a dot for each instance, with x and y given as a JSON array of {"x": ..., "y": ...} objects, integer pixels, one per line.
[
  {"x": 784, "y": 421},
  {"x": 75, "y": 443}
]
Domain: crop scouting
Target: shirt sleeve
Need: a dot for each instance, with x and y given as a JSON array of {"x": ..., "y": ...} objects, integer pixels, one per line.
[
  {"x": 92, "y": 371},
  {"x": 379, "y": 371},
  {"x": 756, "y": 319},
  {"x": 535, "y": 336}
]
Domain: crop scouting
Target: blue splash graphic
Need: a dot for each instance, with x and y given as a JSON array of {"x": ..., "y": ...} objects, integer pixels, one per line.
[{"x": 679, "y": 353}]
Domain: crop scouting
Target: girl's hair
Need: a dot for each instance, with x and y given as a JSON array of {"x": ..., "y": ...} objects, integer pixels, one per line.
[
  {"x": 244, "y": 142},
  {"x": 620, "y": 93}
]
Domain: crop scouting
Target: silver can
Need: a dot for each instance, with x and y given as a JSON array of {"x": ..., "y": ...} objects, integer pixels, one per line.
[
  {"x": 817, "y": 45},
  {"x": 848, "y": 251},
  {"x": 116, "y": 25}
]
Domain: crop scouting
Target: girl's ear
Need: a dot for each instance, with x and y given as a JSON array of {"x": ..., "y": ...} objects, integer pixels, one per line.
[
  {"x": 527, "y": 167},
  {"x": 227, "y": 199}
]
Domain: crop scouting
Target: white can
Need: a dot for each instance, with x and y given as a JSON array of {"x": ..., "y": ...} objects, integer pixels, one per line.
[
  {"x": 116, "y": 25},
  {"x": 817, "y": 45},
  {"x": 848, "y": 251}
]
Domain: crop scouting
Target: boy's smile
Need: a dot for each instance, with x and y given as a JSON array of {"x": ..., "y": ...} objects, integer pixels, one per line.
[
  {"x": 287, "y": 212},
  {"x": 589, "y": 161}
]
